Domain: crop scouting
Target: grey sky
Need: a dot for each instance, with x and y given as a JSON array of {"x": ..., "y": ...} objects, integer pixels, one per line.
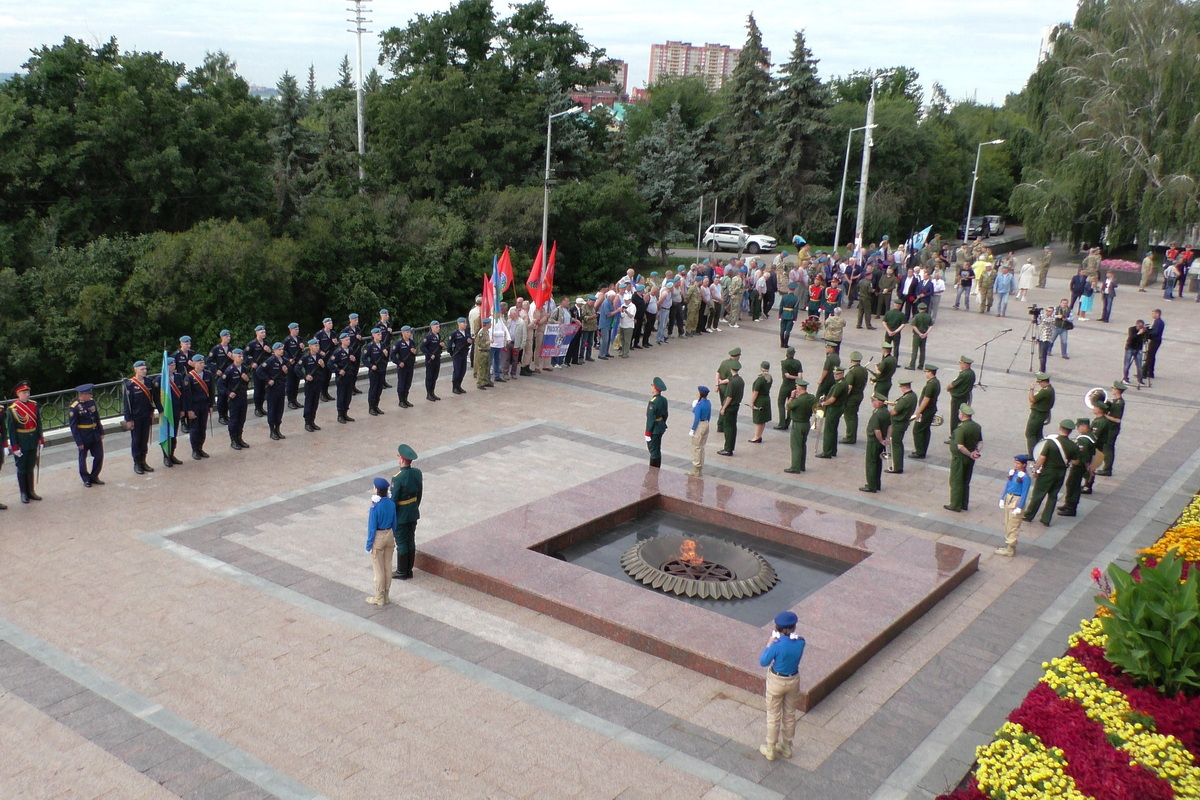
[{"x": 983, "y": 51}]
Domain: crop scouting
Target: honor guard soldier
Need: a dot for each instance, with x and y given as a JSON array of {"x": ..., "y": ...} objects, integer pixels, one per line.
[
  {"x": 311, "y": 370},
  {"x": 327, "y": 343},
  {"x": 789, "y": 307},
  {"x": 406, "y": 494},
  {"x": 878, "y": 427},
  {"x": 341, "y": 368},
  {"x": 800, "y": 407},
  {"x": 385, "y": 325},
  {"x": 856, "y": 379},
  {"x": 355, "y": 348},
  {"x": 233, "y": 384},
  {"x": 88, "y": 432},
  {"x": 273, "y": 374},
  {"x": 901, "y": 414},
  {"x": 481, "y": 346},
  {"x": 255, "y": 353},
  {"x": 197, "y": 405},
  {"x": 404, "y": 356},
  {"x": 459, "y": 345},
  {"x": 921, "y": 323},
  {"x": 926, "y": 411},
  {"x": 180, "y": 359},
  {"x": 374, "y": 358},
  {"x": 293, "y": 348},
  {"x": 174, "y": 382},
  {"x": 23, "y": 424},
  {"x": 431, "y": 348},
  {"x": 218, "y": 360},
  {"x": 141, "y": 401},
  {"x": 960, "y": 391},
  {"x": 964, "y": 452},
  {"x": 656, "y": 421}
]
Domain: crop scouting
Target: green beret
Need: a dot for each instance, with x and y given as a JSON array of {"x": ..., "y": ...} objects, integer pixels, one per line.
[
  {"x": 855, "y": 355},
  {"x": 966, "y": 409},
  {"x": 658, "y": 384},
  {"x": 406, "y": 451}
]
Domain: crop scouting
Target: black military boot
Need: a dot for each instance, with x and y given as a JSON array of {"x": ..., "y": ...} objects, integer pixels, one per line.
[
  {"x": 29, "y": 488},
  {"x": 373, "y": 411},
  {"x": 258, "y": 412},
  {"x": 167, "y": 461},
  {"x": 196, "y": 455},
  {"x": 348, "y": 417},
  {"x": 399, "y": 573},
  {"x": 406, "y": 574},
  {"x": 146, "y": 466},
  {"x": 171, "y": 455},
  {"x": 235, "y": 444},
  {"x": 242, "y": 442},
  {"x": 275, "y": 433},
  {"x": 293, "y": 405},
  {"x": 200, "y": 451},
  {"x": 21, "y": 482},
  {"x": 137, "y": 468},
  {"x": 341, "y": 418},
  {"x": 431, "y": 396},
  {"x": 308, "y": 426},
  {"x": 279, "y": 432}
]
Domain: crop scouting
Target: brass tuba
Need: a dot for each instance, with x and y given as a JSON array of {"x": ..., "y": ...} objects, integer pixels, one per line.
[
  {"x": 1094, "y": 396},
  {"x": 938, "y": 419}
]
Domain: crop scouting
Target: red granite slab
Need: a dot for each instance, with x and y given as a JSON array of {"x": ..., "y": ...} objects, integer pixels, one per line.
[{"x": 892, "y": 577}]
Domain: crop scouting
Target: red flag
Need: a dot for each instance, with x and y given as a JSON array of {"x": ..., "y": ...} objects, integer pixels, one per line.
[
  {"x": 534, "y": 282},
  {"x": 548, "y": 278},
  {"x": 505, "y": 271},
  {"x": 489, "y": 300}
]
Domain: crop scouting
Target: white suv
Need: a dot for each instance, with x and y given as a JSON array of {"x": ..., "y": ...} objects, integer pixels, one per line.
[{"x": 735, "y": 236}]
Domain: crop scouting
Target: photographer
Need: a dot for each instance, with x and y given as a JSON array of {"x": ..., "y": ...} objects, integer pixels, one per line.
[
  {"x": 1064, "y": 323},
  {"x": 1044, "y": 319}
]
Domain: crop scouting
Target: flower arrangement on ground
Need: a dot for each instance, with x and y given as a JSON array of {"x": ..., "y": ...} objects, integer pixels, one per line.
[{"x": 810, "y": 326}]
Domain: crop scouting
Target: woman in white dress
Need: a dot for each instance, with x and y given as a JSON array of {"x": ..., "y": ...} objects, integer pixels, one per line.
[{"x": 1025, "y": 283}]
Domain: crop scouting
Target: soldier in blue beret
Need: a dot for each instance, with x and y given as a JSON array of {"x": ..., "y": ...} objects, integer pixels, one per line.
[
  {"x": 356, "y": 345},
  {"x": 431, "y": 348},
  {"x": 197, "y": 391},
  {"x": 233, "y": 383},
  {"x": 256, "y": 352},
  {"x": 293, "y": 348},
  {"x": 385, "y": 326},
  {"x": 83, "y": 416},
  {"x": 273, "y": 374},
  {"x": 141, "y": 402},
  {"x": 404, "y": 356},
  {"x": 341, "y": 366},
  {"x": 406, "y": 494},
  {"x": 218, "y": 360},
  {"x": 459, "y": 344},
  {"x": 374, "y": 358},
  {"x": 311, "y": 372},
  {"x": 327, "y": 343}
]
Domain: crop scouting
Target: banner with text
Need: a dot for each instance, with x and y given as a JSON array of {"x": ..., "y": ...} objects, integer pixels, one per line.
[{"x": 557, "y": 338}]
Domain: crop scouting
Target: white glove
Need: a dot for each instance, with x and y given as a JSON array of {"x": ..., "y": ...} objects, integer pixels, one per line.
[
  {"x": 1016, "y": 512},
  {"x": 691, "y": 433},
  {"x": 1000, "y": 504},
  {"x": 16, "y": 451},
  {"x": 648, "y": 438}
]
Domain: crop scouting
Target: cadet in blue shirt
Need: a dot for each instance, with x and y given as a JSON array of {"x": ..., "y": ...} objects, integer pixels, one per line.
[
  {"x": 782, "y": 659},
  {"x": 701, "y": 414},
  {"x": 381, "y": 540},
  {"x": 1012, "y": 502}
]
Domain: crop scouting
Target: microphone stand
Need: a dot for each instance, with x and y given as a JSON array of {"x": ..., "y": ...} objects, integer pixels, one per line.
[{"x": 983, "y": 359}]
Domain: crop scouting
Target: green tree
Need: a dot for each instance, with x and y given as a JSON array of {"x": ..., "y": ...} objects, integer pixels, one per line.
[
  {"x": 293, "y": 148},
  {"x": 743, "y": 135},
  {"x": 670, "y": 177},
  {"x": 698, "y": 107}
]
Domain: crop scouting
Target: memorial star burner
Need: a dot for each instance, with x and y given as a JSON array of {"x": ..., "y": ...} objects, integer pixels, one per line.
[{"x": 698, "y": 566}]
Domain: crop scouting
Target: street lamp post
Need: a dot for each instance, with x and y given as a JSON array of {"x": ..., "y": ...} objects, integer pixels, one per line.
[
  {"x": 860, "y": 218},
  {"x": 359, "y": 20},
  {"x": 546, "y": 196},
  {"x": 974, "y": 178},
  {"x": 837, "y": 236}
]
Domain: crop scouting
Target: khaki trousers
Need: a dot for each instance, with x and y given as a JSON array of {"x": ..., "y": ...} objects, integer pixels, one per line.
[
  {"x": 699, "y": 440},
  {"x": 782, "y": 694},
  {"x": 1012, "y": 524},
  {"x": 381, "y": 561}
]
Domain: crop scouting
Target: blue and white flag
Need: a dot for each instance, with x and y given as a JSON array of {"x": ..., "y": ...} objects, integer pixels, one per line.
[{"x": 920, "y": 239}]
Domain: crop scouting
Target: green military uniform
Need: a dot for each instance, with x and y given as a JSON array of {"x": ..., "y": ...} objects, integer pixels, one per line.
[
  {"x": 1116, "y": 411},
  {"x": 406, "y": 494},
  {"x": 921, "y": 322},
  {"x": 800, "y": 410},
  {"x": 883, "y": 301},
  {"x": 483, "y": 344},
  {"x": 987, "y": 279},
  {"x": 832, "y": 362},
  {"x": 835, "y": 405},
  {"x": 1040, "y": 404},
  {"x": 760, "y": 408},
  {"x": 725, "y": 369},
  {"x": 901, "y": 414},
  {"x": 866, "y": 302},
  {"x": 789, "y": 306},
  {"x": 692, "y": 301},
  {"x": 656, "y": 422},
  {"x": 1054, "y": 463},
  {"x": 856, "y": 378},
  {"x": 880, "y": 421},
  {"x": 932, "y": 390},
  {"x": 1091, "y": 265},
  {"x": 884, "y": 372},
  {"x": 1101, "y": 430},
  {"x": 960, "y": 390},
  {"x": 1079, "y": 470},
  {"x": 735, "y": 390},
  {"x": 893, "y": 320},
  {"x": 967, "y": 436},
  {"x": 1044, "y": 268},
  {"x": 789, "y": 366}
]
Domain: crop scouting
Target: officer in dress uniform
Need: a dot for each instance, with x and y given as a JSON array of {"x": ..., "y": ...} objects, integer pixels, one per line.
[
  {"x": 327, "y": 343},
  {"x": 459, "y": 345},
  {"x": 406, "y": 494},
  {"x": 656, "y": 421},
  {"x": 197, "y": 405},
  {"x": 273, "y": 374},
  {"x": 374, "y": 358},
  {"x": 180, "y": 359},
  {"x": 83, "y": 416},
  {"x": 23, "y": 423},
  {"x": 385, "y": 325},
  {"x": 431, "y": 348},
  {"x": 356, "y": 343},
  {"x": 256, "y": 352},
  {"x": 173, "y": 386},
  {"x": 311, "y": 369},
  {"x": 293, "y": 348},
  {"x": 404, "y": 356},
  {"x": 233, "y": 384},
  {"x": 340, "y": 367},
  {"x": 218, "y": 360},
  {"x": 141, "y": 401}
]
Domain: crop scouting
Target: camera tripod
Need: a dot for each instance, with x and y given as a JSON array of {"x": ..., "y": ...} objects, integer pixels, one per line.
[{"x": 1030, "y": 335}]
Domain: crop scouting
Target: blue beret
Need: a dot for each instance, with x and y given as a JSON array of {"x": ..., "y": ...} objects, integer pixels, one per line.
[
  {"x": 197, "y": 357},
  {"x": 183, "y": 339},
  {"x": 406, "y": 328},
  {"x": 237, "y": 351},
  {"x": 85, "y": 388},
  {"x": 293, "y": 325},
  {"x": 591, "y": 297},
  {"x": 277, "y": 345},
  {"x": 260, "y": 328},
  {"x": 653, "y": 274},
  {"x": 139, "y": 363},
  {"x": 380, "y": 483},
  {"x": 354, "y": 316},
  {"x": 314, "y": 341},
  {"x": 641, "y": 287},
  {"x": 226, "y": 333},
  {"x": 434, "y": 322},
  {"x": 485, "y": 321},
  {"x": 376, "y": 330},
  {"x": 344, "y": 335},
  {"x": 383, "y": 311},
  {"x": 461, "y": 319},
  {"x": 1024, "y": 459},
  {"x": 327, "y": 319},
  {"x": 786, "y": 619}
]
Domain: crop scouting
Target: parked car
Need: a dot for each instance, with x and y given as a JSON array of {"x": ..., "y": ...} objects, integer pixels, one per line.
[
  {"x": 735, "y": 236},
  {"x": 976, "y": 228},
  {"x": 995, "y": 224}
]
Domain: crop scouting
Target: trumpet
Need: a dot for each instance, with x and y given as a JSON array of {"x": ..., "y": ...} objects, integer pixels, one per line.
[
  {"x": 938, "y": 419},
  {"x": 1094, "y": 396}
]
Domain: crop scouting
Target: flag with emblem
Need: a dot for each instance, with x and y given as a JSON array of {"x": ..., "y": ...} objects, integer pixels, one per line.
[
  {"x": 919, "y": 240},
  {"x": 166, "y": 424},
  {"x": 489, "y": 298},
  {"x": 504, "y": 272},
  {"x": 534, "y": 282}
]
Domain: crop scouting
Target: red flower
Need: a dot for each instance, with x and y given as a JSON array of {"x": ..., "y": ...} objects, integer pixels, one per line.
[{"x": 1096, "y": 574}]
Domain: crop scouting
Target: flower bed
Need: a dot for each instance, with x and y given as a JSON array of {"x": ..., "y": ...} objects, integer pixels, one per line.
[
  {"x": 1120, "y": 265},
  {"x": 1089, "y": 731}
]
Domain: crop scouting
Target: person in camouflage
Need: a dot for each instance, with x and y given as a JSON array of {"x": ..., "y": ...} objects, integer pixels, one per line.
[{"x": 483, "y": 344}]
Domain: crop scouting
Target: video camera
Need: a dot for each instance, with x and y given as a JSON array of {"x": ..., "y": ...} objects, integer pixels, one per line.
[{"x": 1035, "y": 311}]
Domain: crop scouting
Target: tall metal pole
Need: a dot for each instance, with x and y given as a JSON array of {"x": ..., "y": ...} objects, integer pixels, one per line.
[
  {"x": 860, "y": 217},
  {"x": 359, "y": 20},
  {"x": 837, "y": 236},
  {"x": 974, "y": 179},
  {"x": 546, "y": 194},
  {"x": 700, "y": 222}
]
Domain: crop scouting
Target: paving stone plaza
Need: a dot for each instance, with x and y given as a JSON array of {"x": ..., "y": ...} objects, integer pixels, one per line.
[{"x": 201, "y": 632}]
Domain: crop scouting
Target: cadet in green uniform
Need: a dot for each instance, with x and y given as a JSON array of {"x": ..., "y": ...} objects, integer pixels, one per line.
[
  {"x": 1058, "y": 452},
  {"x": 856, "y": 380},
  {"x": 1114, "y": 414},
  {"x": 788, "y": 305},
  {"x": 960, "y": 390},
  {"x": 790, "y": 371},
  {"x": 963, "y": 453},
  {"x": 902, "y": 414},
  {"x": 760, "y": 401},
  {"x": 1041, "y": 400},
  {"x": 832, "y": 360},
  {"x": 834, "y": 403},
  {"x": 656, "y": 421},
  {"x": 1080, "y": 469},
  {"x": 800, "y": 407},
  {"x": 877, "y": 433},
  {"x": 483, "y": 345},
  {"x": 406, "y": 494},
  {"x": 884, "y": 370},
  {"x": 735, "y": 389},
  {"x": 926, "y": 411},
  {"x": 893, "y": 324},
  {"x": 921, "y": 323}
]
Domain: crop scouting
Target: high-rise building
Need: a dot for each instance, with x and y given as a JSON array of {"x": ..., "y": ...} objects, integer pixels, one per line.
[{"x": 713, "y": 62}]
